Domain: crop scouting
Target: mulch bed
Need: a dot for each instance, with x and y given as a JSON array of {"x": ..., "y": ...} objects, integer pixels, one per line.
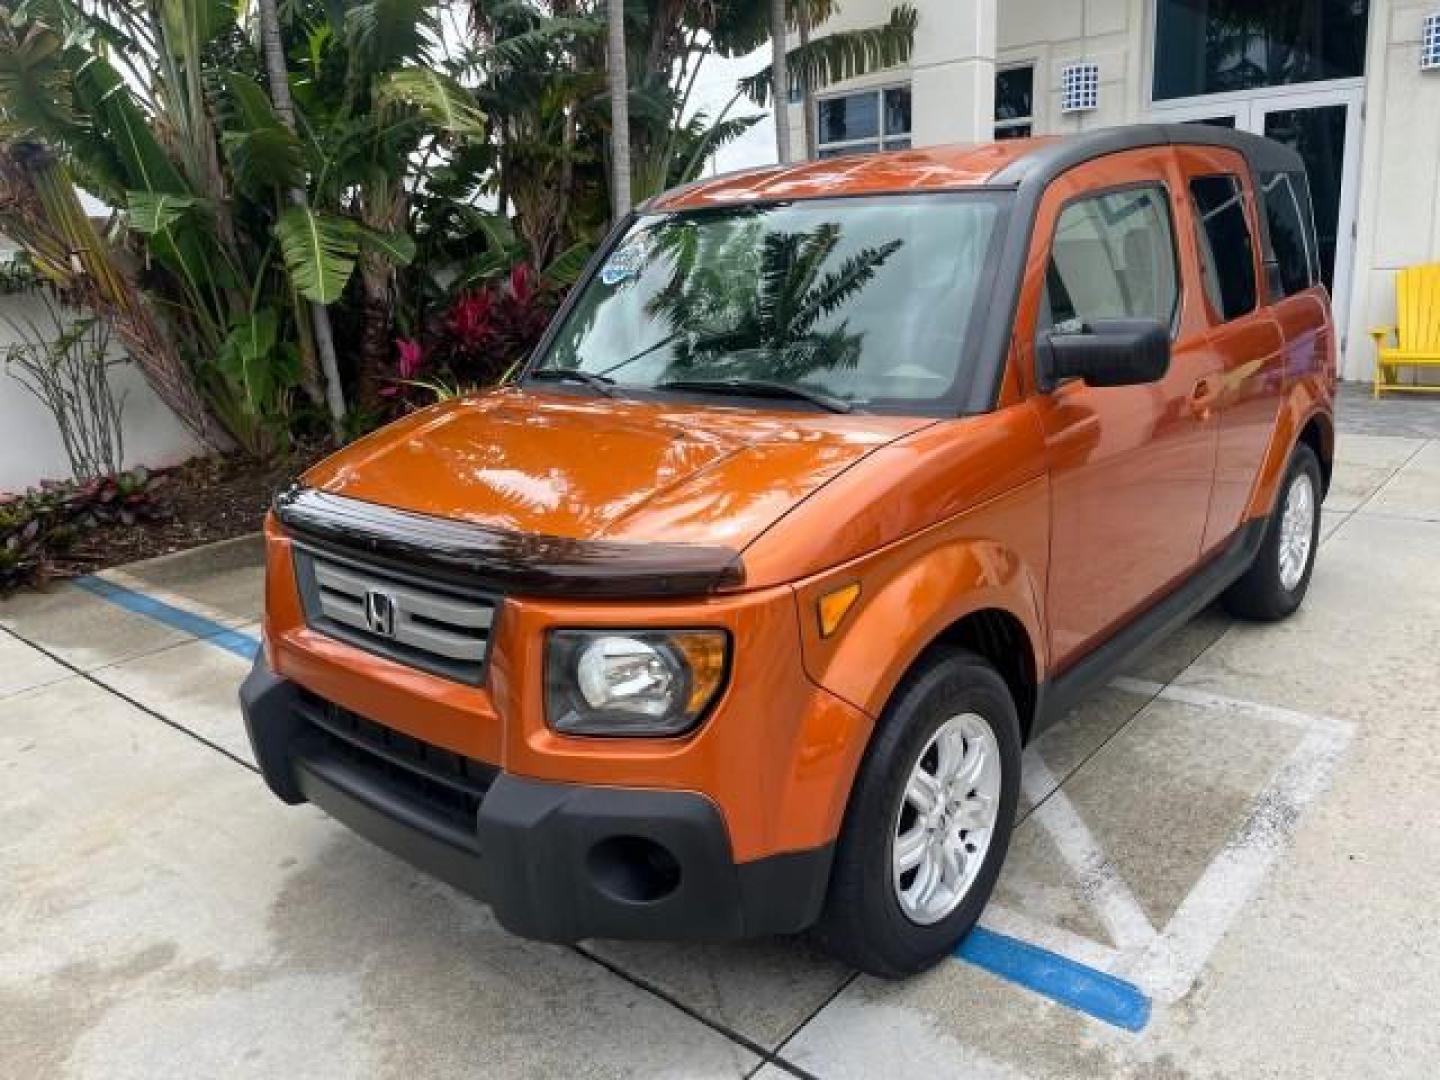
[{"x": 206, "y": 500}]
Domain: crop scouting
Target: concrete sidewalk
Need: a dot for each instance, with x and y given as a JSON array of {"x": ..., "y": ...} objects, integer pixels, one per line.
[{"x": 1241, "y": 831}]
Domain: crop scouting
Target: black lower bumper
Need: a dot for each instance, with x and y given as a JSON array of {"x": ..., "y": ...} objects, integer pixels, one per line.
[{"x": 557, "y": 862}]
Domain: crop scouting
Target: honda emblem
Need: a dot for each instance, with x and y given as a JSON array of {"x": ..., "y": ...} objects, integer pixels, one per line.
[{"x": 380, "y": 613}]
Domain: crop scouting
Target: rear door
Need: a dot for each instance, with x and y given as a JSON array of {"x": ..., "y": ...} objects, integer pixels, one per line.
[
  {"x": 1244, "y": 335},
  {"x": 1131, "y": 467}
]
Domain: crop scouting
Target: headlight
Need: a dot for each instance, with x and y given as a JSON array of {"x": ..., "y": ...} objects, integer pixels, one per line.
[{"x": 632, "y": 682}]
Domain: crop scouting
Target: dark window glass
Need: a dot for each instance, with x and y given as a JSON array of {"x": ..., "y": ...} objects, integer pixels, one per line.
[
  {"x": 845, "y": 151},
  {"x": 897, "y": 110},
  {"x": 1318, "y": 136},
  {"x": 1015, "y": 93},
  {"x": 1287, "y": 216},
  {"x": 1210, "y": 46},
  {"x": 1213, "y": 121},
  {"x": 871, "y": 301},
  {"x": 1013, "y": 131},
  {"x": 1112, "y": 257},
  {"x": 853, "y": 117},
  {"x": 1227, "y": 261}
]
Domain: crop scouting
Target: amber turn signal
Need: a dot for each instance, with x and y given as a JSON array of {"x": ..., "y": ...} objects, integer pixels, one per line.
[
  {"x": 705, "y": 652},
  {"x": 834, "y": 606}
]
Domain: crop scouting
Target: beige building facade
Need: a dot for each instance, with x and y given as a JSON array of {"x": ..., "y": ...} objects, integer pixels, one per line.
[{"x": 1354, "y": 85}]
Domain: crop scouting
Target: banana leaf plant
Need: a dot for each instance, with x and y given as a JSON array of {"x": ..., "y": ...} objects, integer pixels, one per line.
[{"x": 159, "y": 110}]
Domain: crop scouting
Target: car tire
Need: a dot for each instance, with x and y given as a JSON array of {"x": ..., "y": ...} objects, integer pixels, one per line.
[
  {"x": 876, "y": 917},
  {"x": 1279, "y": 576}
]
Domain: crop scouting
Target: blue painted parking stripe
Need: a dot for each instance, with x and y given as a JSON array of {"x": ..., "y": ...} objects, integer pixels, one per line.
[
  {"x": 1058, "y": 977},
  {"x": 211, "y": 632}
]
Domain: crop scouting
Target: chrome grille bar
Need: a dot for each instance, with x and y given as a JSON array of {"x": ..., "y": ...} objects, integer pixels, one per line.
[{"x": 432, "y": 626}]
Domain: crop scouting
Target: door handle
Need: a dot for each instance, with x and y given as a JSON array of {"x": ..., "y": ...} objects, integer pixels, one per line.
[{"x": 1204, "y": 396}]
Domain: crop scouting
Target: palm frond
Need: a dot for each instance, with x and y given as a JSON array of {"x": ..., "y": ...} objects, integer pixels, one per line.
[
  {"x": 35, "y": 95},
  {"x": 397, "y": 247},
  {"x": 842, "y": 55},
  {"x": 155, "y": 212},
  {"x": 135, "y": 151},
  {"x": 437, "y": 97},
  {"x": 319, "y": 252},
  {"x": 564, "y": 270},
  {"x": 383, "y": 33},
  {"x": 530, "y": 45},
  {"x": 709, "y": 142}
]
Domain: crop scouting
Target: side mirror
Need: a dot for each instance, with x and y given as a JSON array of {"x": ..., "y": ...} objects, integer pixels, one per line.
[{"x": 1104, "y": 352}]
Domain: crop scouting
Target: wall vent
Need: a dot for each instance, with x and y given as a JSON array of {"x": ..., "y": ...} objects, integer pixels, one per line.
[
  {"x": 1079, "y": 87},
  {"x": 1430, "y": 43}
]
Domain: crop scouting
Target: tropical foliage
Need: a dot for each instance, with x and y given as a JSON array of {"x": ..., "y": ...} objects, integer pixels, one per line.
[
  {"x": 44, "y": 522},
  {"x": 390, "y": 191}
]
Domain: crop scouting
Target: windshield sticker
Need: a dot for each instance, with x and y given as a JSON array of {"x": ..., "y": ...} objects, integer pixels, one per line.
[{"x": 626, "y": 261}]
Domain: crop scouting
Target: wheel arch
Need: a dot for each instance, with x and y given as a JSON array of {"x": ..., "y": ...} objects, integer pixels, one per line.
[
  {"x": 1305, "y": 417},
  {"x": 1000, "y": 637},
  {"x": 1319, "y": 434}
]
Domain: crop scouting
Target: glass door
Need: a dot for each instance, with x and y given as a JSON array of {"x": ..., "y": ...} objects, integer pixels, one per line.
[
  {"x": 1325, "y": 131},
  {"x": 1322, "y": 124}
]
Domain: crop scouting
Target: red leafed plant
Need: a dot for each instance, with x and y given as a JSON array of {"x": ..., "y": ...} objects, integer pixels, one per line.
[
  {"x": 486, "y": 330},
  {"x": 43, "y": 522}
]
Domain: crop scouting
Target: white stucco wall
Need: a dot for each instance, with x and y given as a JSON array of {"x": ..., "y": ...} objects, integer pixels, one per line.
[
  {"x": 30, "y": 447},
  {"x": 1053, "y": 33},
  {"x": 1399, "y": 215}
]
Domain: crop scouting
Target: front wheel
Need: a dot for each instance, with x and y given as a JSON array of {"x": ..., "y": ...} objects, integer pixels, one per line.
[
  {"x": 1277, "y": 580},
  {"x": 929, "y": 820}
]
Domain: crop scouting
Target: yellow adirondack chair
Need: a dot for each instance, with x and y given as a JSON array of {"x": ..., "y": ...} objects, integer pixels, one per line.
[{"x": 1415, "y": 342}]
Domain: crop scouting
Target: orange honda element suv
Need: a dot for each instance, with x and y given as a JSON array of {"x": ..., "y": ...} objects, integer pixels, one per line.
[{"x": 828, "y": 488}]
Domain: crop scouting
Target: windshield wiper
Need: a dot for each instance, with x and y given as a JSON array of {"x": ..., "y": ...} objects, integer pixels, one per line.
[
  {"x": 759, "y": 388},
  {"x": 599, "y": 383}
]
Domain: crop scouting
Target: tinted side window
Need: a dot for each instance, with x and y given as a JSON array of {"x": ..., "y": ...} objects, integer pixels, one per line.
[
  {"x": 1287, "y": 212},
  {"x": 1226, "y": 250},
  {"x": 1112, "y": 256}
]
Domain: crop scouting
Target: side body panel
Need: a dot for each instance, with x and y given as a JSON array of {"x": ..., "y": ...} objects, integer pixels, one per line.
[
  {"x": 1131, "y": 467},
  {"x": 1249, "y": 354}
]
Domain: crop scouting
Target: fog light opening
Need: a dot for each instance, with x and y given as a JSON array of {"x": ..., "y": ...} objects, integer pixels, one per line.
[{"x": 633, "y": 869}]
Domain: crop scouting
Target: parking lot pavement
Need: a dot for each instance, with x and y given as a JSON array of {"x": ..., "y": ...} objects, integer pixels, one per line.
[{"x": 1226, "y": 867}]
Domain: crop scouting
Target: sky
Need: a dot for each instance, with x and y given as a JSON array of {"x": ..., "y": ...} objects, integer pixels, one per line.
[{"x": 714, "y": 88}]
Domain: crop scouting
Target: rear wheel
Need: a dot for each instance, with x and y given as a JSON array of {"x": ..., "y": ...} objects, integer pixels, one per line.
[
  {"x": 1277, "y": 580},
  {"x": 929, "y": 820}
]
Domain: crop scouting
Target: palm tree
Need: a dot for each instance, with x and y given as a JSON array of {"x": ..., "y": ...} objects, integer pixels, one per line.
[
  {"x": 278, "y": 76},
  {"x": 619, "y": 109},
  {"x": 807, "y": 92},
  {"x": 780, "y": 78},
  {"x": 832, "y": 57}
]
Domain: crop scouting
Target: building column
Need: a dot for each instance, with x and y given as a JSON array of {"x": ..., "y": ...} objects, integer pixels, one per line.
[{"x": 953, "y": 72}]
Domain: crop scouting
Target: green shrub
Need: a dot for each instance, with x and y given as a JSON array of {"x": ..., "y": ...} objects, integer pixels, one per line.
[{"x": 45, "y": 521}]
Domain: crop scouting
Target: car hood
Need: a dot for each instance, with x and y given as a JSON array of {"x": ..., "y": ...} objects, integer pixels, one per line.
[{"x": 587, "y": 468}]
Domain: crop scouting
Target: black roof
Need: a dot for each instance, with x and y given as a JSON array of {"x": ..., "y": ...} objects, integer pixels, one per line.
[{"x": 1049, "y": 160}]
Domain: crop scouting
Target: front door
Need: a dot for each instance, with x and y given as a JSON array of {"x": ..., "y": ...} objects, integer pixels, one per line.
[
  {"x": 1322, "y": 125},
  {"x": 1131, "y": 468}
]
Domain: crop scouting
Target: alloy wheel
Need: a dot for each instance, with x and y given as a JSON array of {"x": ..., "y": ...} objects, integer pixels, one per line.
[{"x": 946, "y": 819}]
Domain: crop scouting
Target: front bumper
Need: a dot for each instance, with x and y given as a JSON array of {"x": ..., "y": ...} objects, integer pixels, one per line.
[{"x": 556, "y": 861}]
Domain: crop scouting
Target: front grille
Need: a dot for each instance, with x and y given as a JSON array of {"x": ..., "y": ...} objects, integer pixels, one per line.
[
  {"x": 437, "y": 627},
  {"x": 436, "y": 781}
]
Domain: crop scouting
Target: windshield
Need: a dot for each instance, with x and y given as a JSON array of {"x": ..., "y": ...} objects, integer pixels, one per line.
[{"x": 864, "y": 301}]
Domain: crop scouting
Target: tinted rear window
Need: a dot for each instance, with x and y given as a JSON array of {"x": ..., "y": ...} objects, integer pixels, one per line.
[
  {"x": 1226, "y": 248},
  {"x": 1287, "y": 212}
]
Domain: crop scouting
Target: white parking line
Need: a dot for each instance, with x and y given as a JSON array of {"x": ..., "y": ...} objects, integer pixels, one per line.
[
  {"x": 1165, "y": 962},
  {"x": 1101, "y": 886}
]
